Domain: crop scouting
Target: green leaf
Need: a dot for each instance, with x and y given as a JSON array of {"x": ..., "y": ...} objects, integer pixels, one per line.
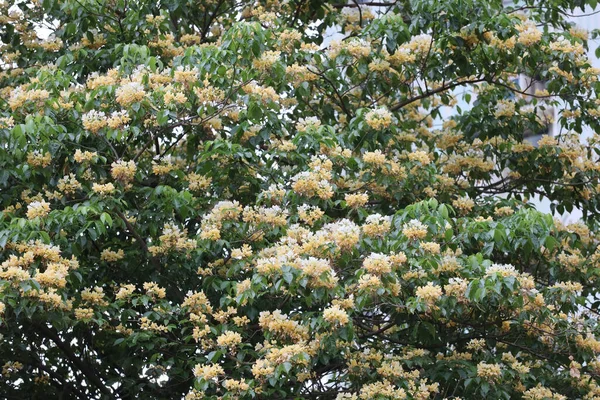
[{"x": 106, "y": 218}]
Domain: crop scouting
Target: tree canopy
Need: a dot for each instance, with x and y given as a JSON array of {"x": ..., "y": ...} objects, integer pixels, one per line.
[{"x": 214, "y": 199}]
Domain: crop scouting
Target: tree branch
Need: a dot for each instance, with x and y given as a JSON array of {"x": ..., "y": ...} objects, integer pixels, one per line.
[
  {"x": 428, "y": 93},
  {"x": 89, "y": 371}
]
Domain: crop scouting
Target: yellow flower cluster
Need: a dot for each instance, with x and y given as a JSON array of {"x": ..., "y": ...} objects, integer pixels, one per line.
[
  {"x": 7, "y": 122},
  {"x": 309, "y": 214},
  {"x": 357, "y": 48},
  {"x": 414, "y": 229},
  {"x": 378, "y": 264},
  {"x": 287, "y": 39},
  {"x": 98, "y": 40},
  {"x": 38, "y": 209},
  {"x": 306, "y": 184},
  {"x": 379, "y": 119},
  {"x": 174, "y": 97},
  {"x": 197, "y": 302},
  {"x": 20, "y": 96},
  {"x": 198, "y": 182},
  {"x": 505, "y": 108},
  {"x": 229, "y": 340},
  {"x": 464, "y": 204},
  {"x": 94, "y": 296},
  {"x": 477, "y": 345},
  {"x": 69, "y": 184},
  {"x": 304, "y": 124},
  {"x": 84, "y": 313},
  {"x": 298, "y": 74},
  {"x": 356, "y": 200},
  {"x": 344, "y": 233},
  {"x": 274, "y": 216},
  {"x": 125, "y": 291},
  {"x": 11, "y": 367},
  {"x": 38, "y": 159},
  {"x": 185, "y": 75},
  {"x": 55, "y": 268},
  {"x": 430, "y": 293},
  {"x": 369, "y": 283},
  {"x": 221, "y": 212},
  {"x": 376, "y": 158},
  {"x": 123, "y": 171},
  {"x": 94, "y": 120},
  {"x": 315, "y": 182},
  {"x": 319, "y": 272},
  {"x": 379, "y": 65},
  {"x": 84, "y": 156},
  {"x": 430, "y": 247},
  {"x": 503, "y": 211},
  {"x": 501, "y": 269},
  {"x": 129, "y": 93},
  {"x": 568, "y": 286},
  {"x": 118, "y": 119},
  {"x": 293, "y": 353},
  {"x": 164, "y": 167},
  {"x": 281, "y": 326},
  {"x": 147, "y": 325},
  {"x": 541, "y": 393},
  {"x": 376, "y": 225},
  {"x": 457, "y": 287},
  {"x": 154, "y": 291},
  {"x": 420, "y": 44},
  {"x": 103, "y": 189},
  {"x": 95, "y": 80},
  {"x": 266, "y": 60},
  {"x": 240, "y": 253},
  {"x": 589, "y": 342},
  {"x": 269, "y": 266},
  {"x": 420, "y": 156},
  {"x": 383, "y": 389},
  {"x": 265, "y": 94},
  {"x": 209, "y": 95},
  {"x": 490, "y": 372},
  {"x": 109, "y": 255},
  {"x": 336, "y": 316},
  {"x": 529, "y": 34}
]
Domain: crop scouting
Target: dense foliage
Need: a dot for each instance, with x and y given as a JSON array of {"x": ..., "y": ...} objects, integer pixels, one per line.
[{"x": 217, "y": 200}]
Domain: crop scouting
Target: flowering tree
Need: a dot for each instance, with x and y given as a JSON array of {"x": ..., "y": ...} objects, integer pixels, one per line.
[{"x": 212, "y": 199}]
